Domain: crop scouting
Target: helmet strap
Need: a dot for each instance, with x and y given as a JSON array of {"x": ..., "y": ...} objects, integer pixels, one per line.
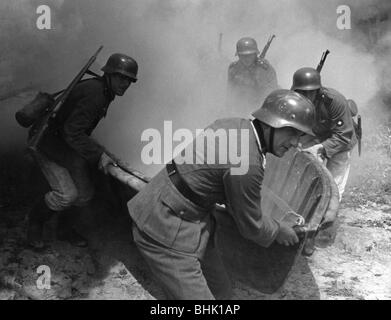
[
  {"x": 108, "y": 83},
  {"x": 271, "y": 139},
  {"x": 258, "y": 127}
]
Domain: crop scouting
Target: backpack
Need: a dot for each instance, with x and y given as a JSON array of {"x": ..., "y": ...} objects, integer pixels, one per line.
[{"x": 34, "y": 110}]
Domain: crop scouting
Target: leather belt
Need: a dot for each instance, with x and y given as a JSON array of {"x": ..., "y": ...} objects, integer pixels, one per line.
[{"x": 182, "y": 185}]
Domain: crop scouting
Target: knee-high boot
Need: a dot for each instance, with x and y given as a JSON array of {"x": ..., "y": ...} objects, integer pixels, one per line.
[
  {"x": 65, "y": 228},
  {"x": 37, "y": 217}
]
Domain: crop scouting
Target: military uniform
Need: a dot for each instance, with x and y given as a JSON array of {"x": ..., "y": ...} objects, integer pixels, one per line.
[
  {"x": 66, "y": 150},
  {"x": 248, "y": 86},
  {"x": 175, "y": 235},
  {"x": 335, "y": 131}
]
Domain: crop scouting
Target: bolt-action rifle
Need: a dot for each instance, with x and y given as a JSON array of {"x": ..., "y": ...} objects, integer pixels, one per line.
[
  {"x": 266, "y": 48},
  {"x": 359, "y": 134},
  {"x": 322, "y": 61},
  {"x": 60, "y": 97}
]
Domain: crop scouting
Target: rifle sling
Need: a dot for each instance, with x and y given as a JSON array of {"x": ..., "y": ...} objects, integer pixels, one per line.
[{"x": 89, "y": 72}]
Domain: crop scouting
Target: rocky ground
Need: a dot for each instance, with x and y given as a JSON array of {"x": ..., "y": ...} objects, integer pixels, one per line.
[{"x": 356, "y": 266}]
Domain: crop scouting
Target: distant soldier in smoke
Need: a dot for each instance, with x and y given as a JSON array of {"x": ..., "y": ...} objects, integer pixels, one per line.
[
  {"x": 173, "y": 222},
  {"x": 250, "y": 78},
  {"x": 66, "y": 150},
  {"x": 334, "y": 127}
]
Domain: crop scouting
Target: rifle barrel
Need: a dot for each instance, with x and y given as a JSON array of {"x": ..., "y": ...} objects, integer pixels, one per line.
[
  {"x": 322, "y": 61},
  {"x": 266, "y": 48}
]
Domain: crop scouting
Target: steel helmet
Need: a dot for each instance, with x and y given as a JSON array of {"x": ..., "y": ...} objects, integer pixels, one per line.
[
  {"x": 246, "y": 46},
  {"x": 286, "y": 108},
  {"x": 306, "y": 79},
  {"x": 123, "y": 64}
]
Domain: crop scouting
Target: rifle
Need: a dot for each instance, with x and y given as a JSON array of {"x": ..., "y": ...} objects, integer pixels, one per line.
[
  {"x": 266, "y": 48},
  {"x": 359, "y": 134},
  {"x": 322, "y": 61},
  {"x": 61, "y": 96},
  {"x": 319, "y": 69}
]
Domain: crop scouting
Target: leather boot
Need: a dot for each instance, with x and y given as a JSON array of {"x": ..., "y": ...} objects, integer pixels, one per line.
[
  {"x": 36, "y": 218},
  {"x": 66, "y": 231}
]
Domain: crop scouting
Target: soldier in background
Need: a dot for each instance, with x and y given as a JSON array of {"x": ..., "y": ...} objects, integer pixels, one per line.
[
  {"x": 334, "y": 127},
  {"x": 250, "y": 78}
]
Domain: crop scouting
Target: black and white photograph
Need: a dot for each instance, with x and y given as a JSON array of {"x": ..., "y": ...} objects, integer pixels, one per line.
[{"x": 158, "y": 150}]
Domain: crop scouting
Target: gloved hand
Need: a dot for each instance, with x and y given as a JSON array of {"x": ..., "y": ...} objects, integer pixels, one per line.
[
  {"x": 317, "y": 151},
  {"x": 287, "y": 235},
  {"x": 105, "y": 161}
]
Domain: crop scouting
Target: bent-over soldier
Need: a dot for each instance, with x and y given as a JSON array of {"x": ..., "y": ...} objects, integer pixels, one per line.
[
  {"x": 334, "y": 126},
  {"x": 174, "y": 225}
]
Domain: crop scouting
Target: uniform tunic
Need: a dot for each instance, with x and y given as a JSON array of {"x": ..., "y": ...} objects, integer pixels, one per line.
[
  {"x": 250, "y": 85},
  {"x": 334, "y": 123},
  {"x": 67, "y": 151},
  {"x": 334, "y": 129},
  {"x": 170, "y": 229},
  {"x": 68, "y": 135}
]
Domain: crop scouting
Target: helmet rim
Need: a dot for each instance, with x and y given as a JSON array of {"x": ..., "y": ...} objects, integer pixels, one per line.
[
  {"x": 278, "y": 112},
  {"x": 122, "y": 64},
  {"x": 306, "y": 79}
]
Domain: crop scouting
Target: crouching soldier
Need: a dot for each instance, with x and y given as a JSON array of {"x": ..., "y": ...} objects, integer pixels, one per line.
[
  {"x": 174, "y": 225},
  {"x": 334, "y": 127},
  {"x": 66, "y": 151}
]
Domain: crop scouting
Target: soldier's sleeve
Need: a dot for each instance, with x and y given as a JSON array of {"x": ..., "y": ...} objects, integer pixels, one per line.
[
  {"x": 84, "y": 116},
  {"x": 243, "y": 200},
  {"x": 342, "y": 128}
]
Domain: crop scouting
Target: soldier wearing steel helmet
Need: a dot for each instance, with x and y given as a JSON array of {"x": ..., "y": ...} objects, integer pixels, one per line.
[
  {"x": 334, "y": 126},
  {"x": 250, "y": 78},
  {"x": 66, "y": 151},
  {"x": 173, "y": 222}
]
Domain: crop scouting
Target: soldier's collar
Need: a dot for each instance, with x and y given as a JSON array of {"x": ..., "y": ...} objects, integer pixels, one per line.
[
  {"x": 108, "y": 91},
  {"x": 248, "y": 67},
  {"x": 258, "y": 132}
]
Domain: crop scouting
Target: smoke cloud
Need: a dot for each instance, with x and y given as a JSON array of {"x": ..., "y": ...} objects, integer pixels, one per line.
[{"x": 182, "y": 75}]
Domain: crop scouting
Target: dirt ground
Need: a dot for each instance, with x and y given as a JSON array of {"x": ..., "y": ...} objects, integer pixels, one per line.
[{"x": 356, "y": 266}]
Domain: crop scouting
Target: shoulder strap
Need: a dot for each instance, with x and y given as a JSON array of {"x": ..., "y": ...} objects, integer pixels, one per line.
[{"x": 89, "y": 72}]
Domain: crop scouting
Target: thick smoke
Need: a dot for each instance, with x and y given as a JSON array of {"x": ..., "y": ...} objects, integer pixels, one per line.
[{"x": 182, "y": 75}]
